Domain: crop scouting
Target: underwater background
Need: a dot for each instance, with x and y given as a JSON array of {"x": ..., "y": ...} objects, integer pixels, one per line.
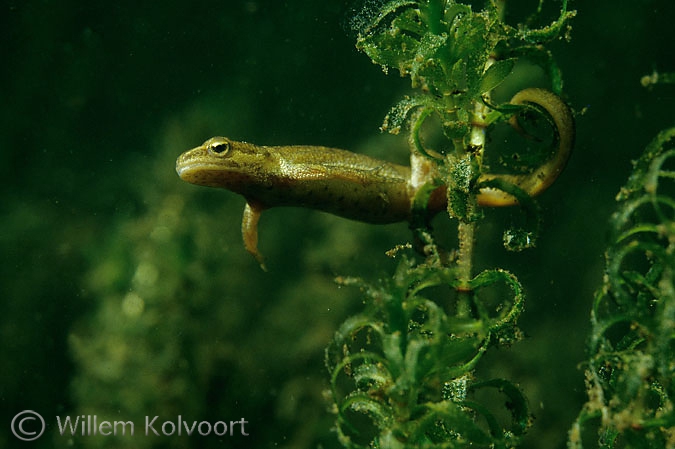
[{"x": 127, "y": 293}]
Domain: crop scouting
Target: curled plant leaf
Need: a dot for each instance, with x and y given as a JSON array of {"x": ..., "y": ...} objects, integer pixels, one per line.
[
  {"x": 522, "y": 236},
  {"x": 517, "y": 403},
  {"x": 396, "y": 44},
  {"x": 543, "y": 58},
  {"x": 399, "y": 114},
  {"x": 508, "y": 314},
  {"x": 555, "y": 29},
  {"x": 495, "y": 75}
]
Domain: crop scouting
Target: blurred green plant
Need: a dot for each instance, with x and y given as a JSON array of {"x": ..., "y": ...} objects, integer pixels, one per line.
[
  {"x": 402, "y": 371},
  {"x": 630, "y": 377}
]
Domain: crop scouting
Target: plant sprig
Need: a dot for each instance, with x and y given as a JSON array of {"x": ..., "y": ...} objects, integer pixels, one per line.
[
  {"x": 630, "y": 377},
  {"x": 402, "y": 371}
]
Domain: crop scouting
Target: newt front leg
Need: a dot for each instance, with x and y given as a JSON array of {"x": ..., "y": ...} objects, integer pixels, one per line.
[{"x": 249, "y": 231}]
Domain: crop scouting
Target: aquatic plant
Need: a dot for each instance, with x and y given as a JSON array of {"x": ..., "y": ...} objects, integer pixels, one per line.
[
  {"x": 630, "y": 376},
  {"x": 402, "y": 372}
]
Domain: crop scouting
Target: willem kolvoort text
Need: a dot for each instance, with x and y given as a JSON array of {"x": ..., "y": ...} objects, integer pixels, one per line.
[{"x": 89, "y": 425}]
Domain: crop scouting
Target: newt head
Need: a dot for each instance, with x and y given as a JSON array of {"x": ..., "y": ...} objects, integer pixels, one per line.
[{"x": 222, "y": 162}]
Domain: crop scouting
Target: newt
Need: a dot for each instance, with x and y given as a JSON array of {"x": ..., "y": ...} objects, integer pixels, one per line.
[{"x": 348, "y": 184}]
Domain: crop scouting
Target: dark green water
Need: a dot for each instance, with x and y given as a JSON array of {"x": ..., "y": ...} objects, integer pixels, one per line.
[{"x": 127, "y": 293}]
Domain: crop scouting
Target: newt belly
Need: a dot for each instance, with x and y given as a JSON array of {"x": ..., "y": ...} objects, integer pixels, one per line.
[{"x": 343, "y": 183}]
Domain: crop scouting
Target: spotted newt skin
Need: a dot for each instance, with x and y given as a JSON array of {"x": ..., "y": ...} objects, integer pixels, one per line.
[
  {"x": 340, "y": 182},
  {"x": 347, "y": 184}
]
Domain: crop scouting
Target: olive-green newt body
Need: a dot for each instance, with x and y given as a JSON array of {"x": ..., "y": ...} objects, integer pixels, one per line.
[
  {"x": 343, "y": 183},
  {"x": 347, "y": 184}
]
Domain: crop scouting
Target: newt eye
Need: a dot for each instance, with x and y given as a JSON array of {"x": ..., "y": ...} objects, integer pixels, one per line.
[{"x": 219, "y": 147}]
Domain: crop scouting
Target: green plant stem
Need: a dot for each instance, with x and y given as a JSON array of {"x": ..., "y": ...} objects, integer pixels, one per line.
[
  {"x": 467, "y": 228},
  {"x": 464, "y": 266}
]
